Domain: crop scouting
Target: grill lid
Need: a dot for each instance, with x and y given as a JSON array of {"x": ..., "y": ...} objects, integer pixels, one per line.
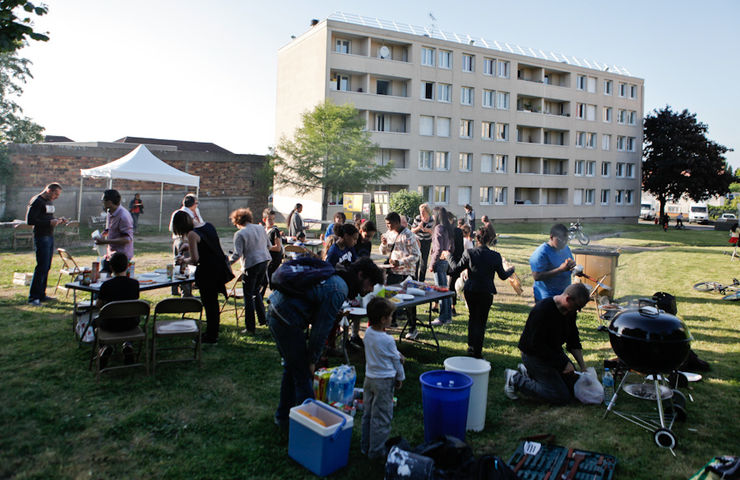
[{"x": 649, "y": 324}]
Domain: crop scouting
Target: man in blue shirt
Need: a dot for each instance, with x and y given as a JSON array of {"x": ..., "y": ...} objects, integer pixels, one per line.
[{"x": 551, "y": 264}]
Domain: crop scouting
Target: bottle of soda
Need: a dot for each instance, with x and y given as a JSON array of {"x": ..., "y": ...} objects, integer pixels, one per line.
[{"x": 608, "y": 382}]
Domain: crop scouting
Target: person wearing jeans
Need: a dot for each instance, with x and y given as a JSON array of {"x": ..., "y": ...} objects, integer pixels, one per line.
[
  {"x": 40, "y": 214},
  {"x": 442, "y": 241}
]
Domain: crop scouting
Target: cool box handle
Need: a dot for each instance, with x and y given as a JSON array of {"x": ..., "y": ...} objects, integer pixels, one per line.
[{"x": 332, "y": 411}]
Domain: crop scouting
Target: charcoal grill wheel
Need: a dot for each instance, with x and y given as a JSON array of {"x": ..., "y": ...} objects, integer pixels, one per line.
[{"x": 664, "y": 438}]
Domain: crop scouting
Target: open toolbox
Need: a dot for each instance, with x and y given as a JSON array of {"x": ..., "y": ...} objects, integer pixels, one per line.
[{"x": 538, "y": 461}]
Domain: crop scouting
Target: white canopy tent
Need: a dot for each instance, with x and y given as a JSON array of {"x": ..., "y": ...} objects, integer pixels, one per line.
[{"x": 139, "y": 164}]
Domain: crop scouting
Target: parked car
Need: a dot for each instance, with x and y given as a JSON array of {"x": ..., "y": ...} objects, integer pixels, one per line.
[{"x": 727, "y": 217}]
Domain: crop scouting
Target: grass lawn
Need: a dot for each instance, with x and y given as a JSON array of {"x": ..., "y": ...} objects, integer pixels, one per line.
[{"x": 216, "y": 421}]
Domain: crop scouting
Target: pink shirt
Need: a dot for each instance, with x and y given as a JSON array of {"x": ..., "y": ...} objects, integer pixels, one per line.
[{"x": 120, "y": 224}]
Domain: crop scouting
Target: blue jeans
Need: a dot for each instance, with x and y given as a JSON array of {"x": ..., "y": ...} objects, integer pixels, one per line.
[
  {"x": 252, "y": 284},
  {"x": 545, "y": 382},
  {"x": 440, "y": 277},
  {"x": 288, "y": 318},
  {"x": 44, "y": 247}
]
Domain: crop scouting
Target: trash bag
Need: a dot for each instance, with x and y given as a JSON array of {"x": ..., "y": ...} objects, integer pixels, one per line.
[
  {"x": 588, "y": 389},
  {"x": 452, "y": 457}
]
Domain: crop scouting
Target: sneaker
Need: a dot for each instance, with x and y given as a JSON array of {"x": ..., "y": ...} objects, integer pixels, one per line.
[
  {"x": 509, "y": 388},
  {"x": 522, "y": 369},
  {"x": 128, "y": 353},
  {"x": 48, "y": 299},
  {"x": 412, "y": 334},
  {"x": 438, "y": 322},
  {"x": 35, "y": 302}
]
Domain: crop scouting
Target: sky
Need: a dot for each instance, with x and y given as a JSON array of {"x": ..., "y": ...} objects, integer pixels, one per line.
[{"x": 206, "y": 71}]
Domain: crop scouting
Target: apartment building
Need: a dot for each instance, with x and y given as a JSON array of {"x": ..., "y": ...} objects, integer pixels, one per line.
[{"x": 517, "y": 133}]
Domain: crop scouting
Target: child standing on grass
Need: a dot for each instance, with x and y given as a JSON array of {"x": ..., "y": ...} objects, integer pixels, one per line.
[{"x": 383, "y": 372}]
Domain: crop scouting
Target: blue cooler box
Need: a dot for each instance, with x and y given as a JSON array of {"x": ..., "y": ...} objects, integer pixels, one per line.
[{"x": 321, "y": 449}]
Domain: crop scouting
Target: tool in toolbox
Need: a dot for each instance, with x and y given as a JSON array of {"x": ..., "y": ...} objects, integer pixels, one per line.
[{"x": 538, "y": 461}]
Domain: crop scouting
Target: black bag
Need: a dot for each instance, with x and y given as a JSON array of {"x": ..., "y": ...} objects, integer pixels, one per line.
[{"x": 296, "y": 276}]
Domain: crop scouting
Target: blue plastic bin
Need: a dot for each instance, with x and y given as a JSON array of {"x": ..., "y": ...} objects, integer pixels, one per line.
[
  {"x": 321, "y": 449},
  {"x": 445, "y": 396}
]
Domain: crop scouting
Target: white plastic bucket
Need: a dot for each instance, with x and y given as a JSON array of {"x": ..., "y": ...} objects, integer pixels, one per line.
[{"x": 478, "y": 370}]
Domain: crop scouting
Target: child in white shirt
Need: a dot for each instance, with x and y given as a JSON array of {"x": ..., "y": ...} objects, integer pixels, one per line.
[{"x": 383, "y": 372}]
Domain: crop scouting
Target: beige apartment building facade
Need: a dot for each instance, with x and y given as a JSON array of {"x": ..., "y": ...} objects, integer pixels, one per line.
[{"x": 518, "y": 134}]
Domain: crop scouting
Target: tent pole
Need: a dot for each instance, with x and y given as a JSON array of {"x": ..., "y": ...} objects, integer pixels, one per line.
[
  {"x": 79, "y": 202},
  {"x": 161, "y": 195},
  {"x": 197, "y": 191},
  {"x": 110, "y": 183}
]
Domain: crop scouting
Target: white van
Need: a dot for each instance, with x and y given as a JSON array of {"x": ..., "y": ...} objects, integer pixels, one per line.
[
  {"x": 699, "y": 213},
  {"x": 647, "y": 211}
]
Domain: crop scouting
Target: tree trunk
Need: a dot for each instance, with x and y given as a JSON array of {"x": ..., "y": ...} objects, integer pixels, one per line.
[{"x": 661, "y": 201}]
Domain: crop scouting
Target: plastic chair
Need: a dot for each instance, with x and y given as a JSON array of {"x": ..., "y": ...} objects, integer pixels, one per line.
[
  {"x": 117, "y": 310},
  {"x": 22, "y": 233},
  {"x": 69, "y": 267},
  {"x": 183, "y": 327},
  {"x": 236, "y": 292}
]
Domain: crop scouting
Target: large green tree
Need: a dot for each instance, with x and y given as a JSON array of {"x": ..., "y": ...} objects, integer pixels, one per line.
[
  {"x": 331, "y": 151},
  {"x": 678, "y": 158},
  {"x": 16, "y": 24}
]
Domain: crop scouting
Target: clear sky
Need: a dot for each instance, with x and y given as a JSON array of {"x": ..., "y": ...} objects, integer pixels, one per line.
[{"x": 206, "y": 71}]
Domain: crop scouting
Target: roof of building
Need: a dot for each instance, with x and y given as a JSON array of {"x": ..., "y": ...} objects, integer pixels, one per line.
[
  {"x": 56, "y": 138},
  {"x": 433, "y": 32},
  {"x": 181, "y": 145}
]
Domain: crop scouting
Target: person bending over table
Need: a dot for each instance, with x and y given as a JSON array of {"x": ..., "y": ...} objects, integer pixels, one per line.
[
  {"x": 546, "y": 372},
  {"x": 403, "y": 252},
  {"x": 482, "y": 264},
  {"x": 119, "y": 231},
  {"x": 289, "y": 317}
]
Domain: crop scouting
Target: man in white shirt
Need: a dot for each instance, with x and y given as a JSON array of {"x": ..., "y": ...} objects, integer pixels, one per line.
[{"x": 180, "y": 244}]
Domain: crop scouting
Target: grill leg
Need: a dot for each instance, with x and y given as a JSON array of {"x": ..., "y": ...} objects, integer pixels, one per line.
[
  {"x": 613, "y": 400},
  {"x": 660, "y": 401}
]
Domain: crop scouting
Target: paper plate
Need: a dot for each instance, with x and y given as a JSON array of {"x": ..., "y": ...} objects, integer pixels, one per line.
[
  {"x": 161, "y": 270},
  {"x": 691, "y": 377},
  {"x": 393, "y": 289},
  {"x": 405, "y": 296},
  {"x": 357, "y": 311}
]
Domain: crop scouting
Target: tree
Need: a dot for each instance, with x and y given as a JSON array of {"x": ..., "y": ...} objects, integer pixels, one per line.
[
  {"x": 680, "y": 160},
  {"x": 330, "y": 151},
  {"x": 15, "y": 31},
  {"x": 406, "y": 203}
]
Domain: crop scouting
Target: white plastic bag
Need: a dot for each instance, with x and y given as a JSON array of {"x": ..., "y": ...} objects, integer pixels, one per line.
[
  {"x": 81, "y": 327},
  {"x": 588, "y": 389}
]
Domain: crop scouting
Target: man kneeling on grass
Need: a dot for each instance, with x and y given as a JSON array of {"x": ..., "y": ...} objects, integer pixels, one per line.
[
  {"x": 119, "y": 287},
  {"x": 546, "y": 372}
]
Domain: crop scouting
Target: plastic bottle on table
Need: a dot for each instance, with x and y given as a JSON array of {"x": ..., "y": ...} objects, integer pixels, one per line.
[{"x": 608, "y": 382}]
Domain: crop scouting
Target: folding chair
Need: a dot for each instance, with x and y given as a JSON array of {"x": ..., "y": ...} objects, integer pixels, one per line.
[
  {"x": 69, "y": 267},
  {"x": 118, "y": 310},
  {"x": 236, "y": 292},
  {"x": 22, "y": 233},
  {"x": 183, "y": 327}
]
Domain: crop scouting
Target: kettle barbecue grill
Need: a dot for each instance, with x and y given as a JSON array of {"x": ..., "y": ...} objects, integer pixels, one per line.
[{"x": 651, "y": 341}]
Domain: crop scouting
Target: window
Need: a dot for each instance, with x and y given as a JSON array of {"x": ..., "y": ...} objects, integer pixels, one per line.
[
  {"x": 383, "y": 87},
  {"x": 591, "y": 140},
  {"x": 384, "y": 157},
  {"x": 580, "y": 139},
  {"x": 589, "y": 195},
  {"x": 466, "y": 95},
  {"x": 630, "y": 170},
  {"x": 487, "y": 130},
  {"x": 427, "y": 90},
  {"x": 606, "y": 142},
  {"x": 463, "y": 195},
  {"x": 380, "y": 122},
  {"x": 633, "y": 91},
  {"x": 486, "y": 195},
  {"x": 578, "y": 167},
  {"x": 621, "y": 143},
  {"x": 466, "y": 162},
  {"x": 503, "y": 68},
  {"x": 502, "y": 132},
  {"x": 605, "y": 197},
  {"x": 342, "y": 83},
  {"x": 632, "y": 118},
  {"x": 581, "y": 82},
  {"x": 426, "y": 160},
  {"x": 426, "y": 192},
  {"x": 486, "y": 163},
  {"x": 489, "y": 66},
  {"x": 590, "y": 168},
  {"x": 622, "y": 89},
  {"x": 443, "y": 126},
  {"x": 591, "y": 84},
  {"x": 578, "y": 196},
  {"x": 619, "y": 197},
  {"x": 608, "y": 85},
  {"x": 444, "y": 92},
  {"x": 591, "y": 113},
  {"x": 441, "y": 194},
  {"x": 342, "y": 46},
  {"x": 426, "y": 125},
  {"x": 445, "y": 59},
  {"x": 466, "y": 129},
  {"x": 488, "y": 98},
  {"x": 606, "y": 169},
  {"x": 442, "y": 160},
  {"x": 468, "y": 63},
  {"x": 622, "y": 116},
  {"x": 502, "y": 100},
  {"x": 629, "y": 197},
  {"x": 619, "y": 171},
  {"x": 608, "y": 114},
  {"x": 581, "y": 111},
  {"x": 501, "y": 162},
  {"x": 631, "y": 144},
  {"x": 500, "y": 196},
  {"x": 427, "y": 56}
]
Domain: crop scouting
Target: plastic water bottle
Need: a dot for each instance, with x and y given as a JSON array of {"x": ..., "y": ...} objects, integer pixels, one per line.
[
  {"x": 332, "y": 393},
  {"x": 608, "y": 381}
]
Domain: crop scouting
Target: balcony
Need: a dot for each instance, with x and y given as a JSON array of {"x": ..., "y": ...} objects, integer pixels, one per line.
[
  {"x": 554, "y": 196},
  {"x": 557, "y": 78},
  {"x": 526, "y": 196},
  {"x": 385, "y": 122},
  {"x": 556, "y": 137},
  {"x": 393, "y": 156},
  {"x": 554, "y": 166},
  {"x": 527, "y": 165},
  {"x": 525, "y": 134},
  {"x": 529, "y": 73},
  {"x": 556, "y": 107},
  {"x": 394, "y": 87},
  {"x": 384, "y": 50},
  {"x": 526, "y": 103}
]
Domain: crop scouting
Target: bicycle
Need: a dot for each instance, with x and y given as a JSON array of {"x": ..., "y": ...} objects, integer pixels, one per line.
[
  {"x": 730, "y": 292},
  {"x": 576, "y": 232}
]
